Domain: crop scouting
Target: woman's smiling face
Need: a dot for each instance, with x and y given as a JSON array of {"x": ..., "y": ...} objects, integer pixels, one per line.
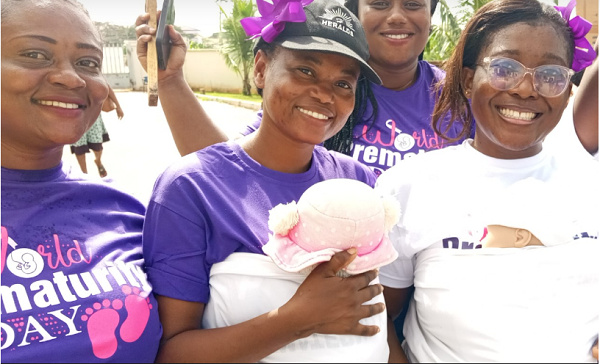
[
  {"x": 52, "y": 84},
  {"x": 397, "y": 30},
  {"x": 512, "y": 124},
  {"x": 307, "y": 95}
]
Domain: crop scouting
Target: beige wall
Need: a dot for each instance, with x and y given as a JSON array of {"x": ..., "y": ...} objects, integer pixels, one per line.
[
  {"x": 203, "y": 69},
  {"x": 206, "y": 69}
]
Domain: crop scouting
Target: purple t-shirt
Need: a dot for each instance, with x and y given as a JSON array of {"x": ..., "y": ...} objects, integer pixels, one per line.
[
  {"x": 73, "y": 285},
  {"x": 403, "y": 125},
  {"x": 215, "y": 202}
]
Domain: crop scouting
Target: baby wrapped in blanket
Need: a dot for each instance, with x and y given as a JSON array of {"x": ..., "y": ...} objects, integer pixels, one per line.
[
  {"x": 331, "y": 216},
  {"x": 530, "y": 281}
]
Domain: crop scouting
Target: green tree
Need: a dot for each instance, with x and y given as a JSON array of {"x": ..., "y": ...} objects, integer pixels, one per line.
[
  {"x": 196, "y": 45},
  {"x": 444, "y": 36},
  {"x": 237, "y": 50}
]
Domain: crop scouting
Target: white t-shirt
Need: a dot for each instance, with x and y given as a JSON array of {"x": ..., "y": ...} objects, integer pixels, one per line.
[
  {"x": 563, "y": 138},
  {"x": 247, "y": 285},
  {"x": 538, "y": 303}
]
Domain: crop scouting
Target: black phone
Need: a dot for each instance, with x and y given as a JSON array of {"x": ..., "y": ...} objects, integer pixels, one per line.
[{"x": 163, "y": 41}]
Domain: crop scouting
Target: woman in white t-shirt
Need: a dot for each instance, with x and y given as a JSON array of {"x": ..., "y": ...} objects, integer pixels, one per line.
[{"x": 511, "y": 72}]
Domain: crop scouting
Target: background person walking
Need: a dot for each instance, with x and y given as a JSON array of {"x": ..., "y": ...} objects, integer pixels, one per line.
[{"x": 97, "y": 135}]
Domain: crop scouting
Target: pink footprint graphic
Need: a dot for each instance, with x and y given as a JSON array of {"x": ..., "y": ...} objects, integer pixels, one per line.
[
  {"x": 102, "y": 321},
  {"x": 138, "y": 312}
]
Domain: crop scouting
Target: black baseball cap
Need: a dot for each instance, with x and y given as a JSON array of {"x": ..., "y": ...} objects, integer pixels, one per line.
[{"x": 329, "y": 27}]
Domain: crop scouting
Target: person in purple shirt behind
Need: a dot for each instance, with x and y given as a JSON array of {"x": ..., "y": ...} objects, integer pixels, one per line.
[
  {"x": 73, "y": 285},
  {"x": 207, "y": 220}
]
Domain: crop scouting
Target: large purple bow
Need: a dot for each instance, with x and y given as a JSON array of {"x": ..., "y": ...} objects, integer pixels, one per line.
[
  {"x": 273, "y": 18},
  {"x": 584, "y": 53}
]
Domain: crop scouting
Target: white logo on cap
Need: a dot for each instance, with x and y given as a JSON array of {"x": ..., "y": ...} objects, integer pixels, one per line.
[{"x": 338, "y": 19}]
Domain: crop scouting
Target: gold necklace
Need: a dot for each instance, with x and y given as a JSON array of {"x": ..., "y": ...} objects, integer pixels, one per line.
[{"x": 410, "y": 82}]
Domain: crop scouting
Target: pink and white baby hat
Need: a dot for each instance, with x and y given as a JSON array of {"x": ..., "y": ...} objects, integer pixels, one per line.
[{"x": 332, "y": 216}]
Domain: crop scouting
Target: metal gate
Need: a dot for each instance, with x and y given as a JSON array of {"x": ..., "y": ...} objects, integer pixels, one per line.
[{"x": 115, "y": 67}]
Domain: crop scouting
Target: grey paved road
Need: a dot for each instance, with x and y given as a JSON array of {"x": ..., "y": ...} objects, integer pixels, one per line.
[{"x": 141, "y": 146}]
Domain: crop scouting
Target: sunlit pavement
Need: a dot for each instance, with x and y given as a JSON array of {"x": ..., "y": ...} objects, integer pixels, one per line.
[{"x": 141, "y": 146}]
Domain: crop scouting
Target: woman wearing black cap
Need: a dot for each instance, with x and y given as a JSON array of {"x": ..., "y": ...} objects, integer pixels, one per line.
[{"x": 220, "y": 297}]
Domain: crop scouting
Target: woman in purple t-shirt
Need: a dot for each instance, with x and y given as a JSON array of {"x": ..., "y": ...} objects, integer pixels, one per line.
[
  {"x": 73, "y": 285},
  {"x": 221, "y": 298}
]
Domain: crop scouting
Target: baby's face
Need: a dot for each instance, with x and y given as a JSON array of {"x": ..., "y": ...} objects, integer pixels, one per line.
[{"x": 500, "y": 236}]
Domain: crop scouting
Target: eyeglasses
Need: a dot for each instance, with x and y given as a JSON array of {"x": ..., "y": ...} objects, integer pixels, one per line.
[{"x": 548, "y": 80}]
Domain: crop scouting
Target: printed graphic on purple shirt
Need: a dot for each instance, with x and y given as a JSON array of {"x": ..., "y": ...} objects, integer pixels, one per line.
[
  {"x": 403, "y": 125},
  {"x": 73, "y": 285}
]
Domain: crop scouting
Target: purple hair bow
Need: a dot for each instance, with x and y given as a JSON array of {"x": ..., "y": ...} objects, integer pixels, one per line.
[
  {"x": 584, "y": 53},
  {"x": 273, "y": 18}
]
